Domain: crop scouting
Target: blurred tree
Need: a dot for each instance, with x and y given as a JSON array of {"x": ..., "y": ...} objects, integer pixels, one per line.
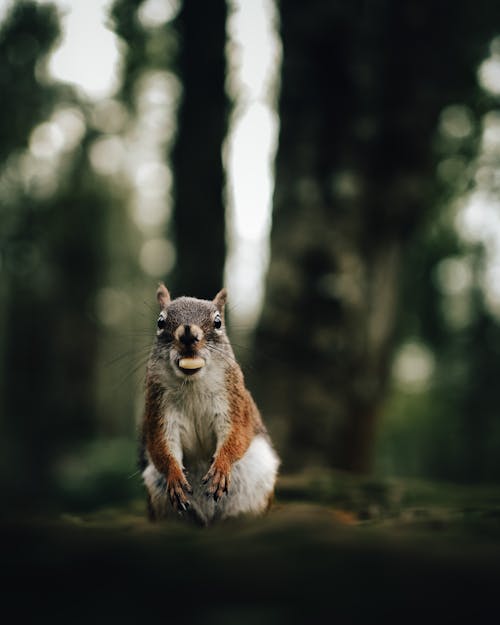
[
  {"x": 51, "y": 346},
  {"x": 27, "y": 35},
  {"x": 199, "y": 211},
  {"x": 28, "y": 32},
  {"x": 52, "y": 263},
  {"x": 363, "y": 86},
  {"x": 135, "y": 55}
]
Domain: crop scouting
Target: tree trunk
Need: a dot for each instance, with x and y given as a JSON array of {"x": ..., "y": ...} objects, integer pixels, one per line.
[
  {"x": 199, "y": 216},
  {"x": 363, "y": 85}
]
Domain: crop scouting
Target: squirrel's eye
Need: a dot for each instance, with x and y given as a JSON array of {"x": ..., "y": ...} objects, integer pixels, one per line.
[
  {"x": 217, "y": 322},
  {"x": 161, "y": 323}
]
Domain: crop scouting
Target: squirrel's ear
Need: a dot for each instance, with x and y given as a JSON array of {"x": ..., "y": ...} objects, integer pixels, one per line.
[
  {"x": 220, "y": 299},
  {"x": 162, "y": 295}
]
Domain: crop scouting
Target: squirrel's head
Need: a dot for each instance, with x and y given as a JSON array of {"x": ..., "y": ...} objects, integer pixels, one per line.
[{"x": 190, "y": 332}]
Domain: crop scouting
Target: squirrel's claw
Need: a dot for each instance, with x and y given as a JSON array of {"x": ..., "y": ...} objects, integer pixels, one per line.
[
  {"x": 209, "y": 475},
  {"x": 219, "y": 483},
  {"x": 177, "y": 491}
]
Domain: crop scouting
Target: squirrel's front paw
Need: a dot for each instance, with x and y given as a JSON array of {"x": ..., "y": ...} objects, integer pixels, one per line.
[
  {"x": 217, "y": 479},
  {"x": 178, "y": 489}
]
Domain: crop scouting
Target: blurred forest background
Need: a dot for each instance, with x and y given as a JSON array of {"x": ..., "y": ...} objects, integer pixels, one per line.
[{"x": 366, "y": 317}]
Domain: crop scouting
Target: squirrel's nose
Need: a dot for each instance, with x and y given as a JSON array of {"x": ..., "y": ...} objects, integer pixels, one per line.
[{"x": 187, "y": 335}]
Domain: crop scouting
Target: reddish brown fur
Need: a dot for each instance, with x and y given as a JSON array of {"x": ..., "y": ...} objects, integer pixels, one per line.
[
  {"x": 157, "y": 446},
  {"x": 245, "y": 424}
]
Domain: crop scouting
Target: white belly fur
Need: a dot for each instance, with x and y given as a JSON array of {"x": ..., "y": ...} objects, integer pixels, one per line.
[{"x": 252, "y": 483}]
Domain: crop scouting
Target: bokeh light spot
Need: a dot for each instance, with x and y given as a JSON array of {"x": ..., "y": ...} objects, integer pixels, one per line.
[
  {"x": 155, "y": 13},
  {"x": 109, "y": 116},
  {"x": 489, "y": 74},
  {"x": 157, "y": 257},
  {"x": 454, "y": 275},
  {"x": 413, "y": 366},
  {"x": 71, "y": 123},
  {"x": 106, "y": 155},
  {"x": 153, "y": 179},
  {"x": 46, "y": 140},
  {"x": 456, "y": 122}
]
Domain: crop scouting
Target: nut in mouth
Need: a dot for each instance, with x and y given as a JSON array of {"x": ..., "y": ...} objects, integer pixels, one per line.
[{"x": 190, "y": 365}]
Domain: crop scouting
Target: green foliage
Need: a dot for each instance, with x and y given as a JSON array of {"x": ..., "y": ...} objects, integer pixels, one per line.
[
  {"x": 449, "y": 428},
  {"x": 101, "y": 473}
]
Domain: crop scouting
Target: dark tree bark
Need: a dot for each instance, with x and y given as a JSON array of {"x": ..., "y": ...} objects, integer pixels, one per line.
[
  {"x": 199, "y": 218},
  {"x": 363, "y": 85}
]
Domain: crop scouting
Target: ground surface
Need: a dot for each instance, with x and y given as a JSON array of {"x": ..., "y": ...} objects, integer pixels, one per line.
[{"x": 333, "y": 549}]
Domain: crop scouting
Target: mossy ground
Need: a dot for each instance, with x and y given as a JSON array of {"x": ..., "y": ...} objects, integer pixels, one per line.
[{"x": 333, "y": 547}]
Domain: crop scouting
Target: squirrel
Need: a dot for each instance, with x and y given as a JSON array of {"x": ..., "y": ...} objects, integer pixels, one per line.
[{"x": 205, "y": 452}]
